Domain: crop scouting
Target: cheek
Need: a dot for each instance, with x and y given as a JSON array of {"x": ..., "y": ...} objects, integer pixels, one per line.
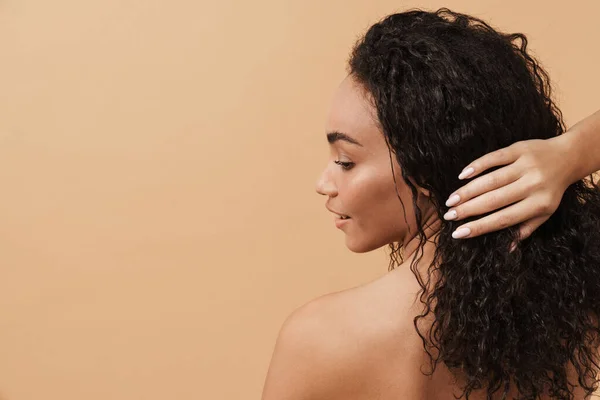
[
  {"x": 375, "y": 203},
  {"x": 371, "y": 199},
  {"x": 377, "y": 225}
]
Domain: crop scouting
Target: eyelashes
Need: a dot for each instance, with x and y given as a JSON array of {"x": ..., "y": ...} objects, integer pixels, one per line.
[{"x": 344, "y": 164}]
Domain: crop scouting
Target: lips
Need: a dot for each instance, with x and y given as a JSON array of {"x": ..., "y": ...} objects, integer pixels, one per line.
[
  {"x": 343, "y": 216},
  {"x": 341, "y": 222},
  {"x": 339, "y": 215},
  {"x": 340, "y": 219}
]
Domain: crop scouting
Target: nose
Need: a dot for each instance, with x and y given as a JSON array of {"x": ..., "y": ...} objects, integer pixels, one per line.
[{"x": 325, "y": 186}]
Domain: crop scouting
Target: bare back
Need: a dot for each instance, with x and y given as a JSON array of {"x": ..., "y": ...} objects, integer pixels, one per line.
[{"x": 380, "y": 316}]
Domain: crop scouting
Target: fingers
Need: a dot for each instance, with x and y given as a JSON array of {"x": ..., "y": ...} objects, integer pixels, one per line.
[
  {"x": 483, "y": 184},
  {"x": 509, "y": 216},
  {"x": 496, "y": 158},
  {"x": 487, "y": 202}
]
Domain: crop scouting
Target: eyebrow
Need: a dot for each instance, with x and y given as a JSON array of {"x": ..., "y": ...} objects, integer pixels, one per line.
[{"x": 333, "y": 137}]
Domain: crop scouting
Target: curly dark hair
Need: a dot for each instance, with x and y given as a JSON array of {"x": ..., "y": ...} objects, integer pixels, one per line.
[{"x": 448, "y": 88}]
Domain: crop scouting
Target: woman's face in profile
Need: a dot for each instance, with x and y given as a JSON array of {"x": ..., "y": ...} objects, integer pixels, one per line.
[{"x": 357, "y": 179}]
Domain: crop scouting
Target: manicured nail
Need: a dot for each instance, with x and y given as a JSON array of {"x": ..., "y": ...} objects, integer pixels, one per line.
[
  {"x": 466, "y": 173},
  {"x": 453, "y": 200},
  {"x": 461, "y": 233},
  {"x": 450, "y": 215}
]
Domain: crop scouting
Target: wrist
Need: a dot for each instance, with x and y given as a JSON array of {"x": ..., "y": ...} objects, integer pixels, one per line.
[{"x": 570, "y": 145}]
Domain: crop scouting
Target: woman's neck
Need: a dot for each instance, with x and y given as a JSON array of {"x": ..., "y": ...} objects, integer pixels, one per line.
[{"x": 431, "y": 227}]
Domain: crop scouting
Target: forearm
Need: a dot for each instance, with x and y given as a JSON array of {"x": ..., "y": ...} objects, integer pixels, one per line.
[{"x": 583, "y": 144}]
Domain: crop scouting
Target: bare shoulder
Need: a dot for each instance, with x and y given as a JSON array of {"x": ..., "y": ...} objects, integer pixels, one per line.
[
  {"x": 335, "y": 345},
  {"x": 313, "y": 356}
]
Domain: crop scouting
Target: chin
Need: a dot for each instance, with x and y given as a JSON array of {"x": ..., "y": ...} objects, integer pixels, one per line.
[{"x": 357, "y": 246}]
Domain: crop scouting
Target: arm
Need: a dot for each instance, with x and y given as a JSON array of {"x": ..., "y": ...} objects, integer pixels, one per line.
[{"x": 583, "y": 140}]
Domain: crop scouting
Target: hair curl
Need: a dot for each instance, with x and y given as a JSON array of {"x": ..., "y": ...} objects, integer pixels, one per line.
[{"x": 448, "y": 88}]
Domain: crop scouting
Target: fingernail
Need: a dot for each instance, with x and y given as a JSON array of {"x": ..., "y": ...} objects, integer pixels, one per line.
[
  {"x": 450, "y": 215},
  {"x": 466, "y": 173},
  {"x": 453, "y": 200},
  {"x": 461, "y": 233}
]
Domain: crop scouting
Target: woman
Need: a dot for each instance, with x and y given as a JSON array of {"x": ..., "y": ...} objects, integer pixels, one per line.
[{"x": 511, "y": 313}]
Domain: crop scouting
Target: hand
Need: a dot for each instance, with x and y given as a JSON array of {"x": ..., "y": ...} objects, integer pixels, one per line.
[{"x": 535, "y": 175}]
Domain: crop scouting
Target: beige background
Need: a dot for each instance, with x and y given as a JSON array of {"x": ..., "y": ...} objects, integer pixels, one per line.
[{"x": 158, "y": 219}]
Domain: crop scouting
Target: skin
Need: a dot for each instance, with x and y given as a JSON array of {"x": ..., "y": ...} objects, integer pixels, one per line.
[
  {"x": 361, "y": 343},
  {"x": 534, "y": 175},
  {"x": 364, "y": 190}
]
